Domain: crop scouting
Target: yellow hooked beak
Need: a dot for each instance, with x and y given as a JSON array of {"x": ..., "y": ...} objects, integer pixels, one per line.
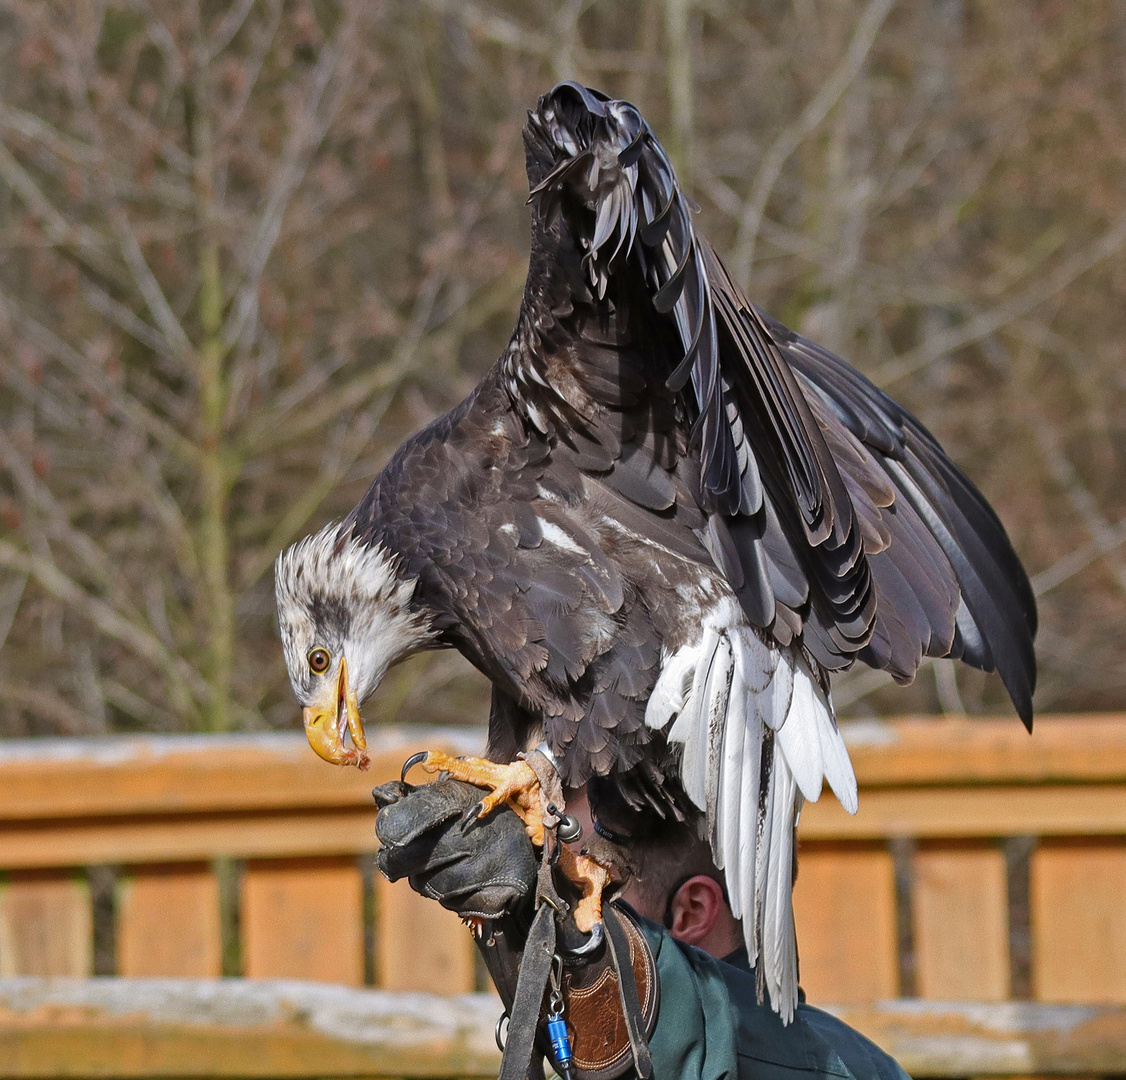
[{"x": 326, "y": 722}]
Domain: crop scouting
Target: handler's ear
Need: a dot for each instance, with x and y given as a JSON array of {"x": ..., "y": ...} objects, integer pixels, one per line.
[{"x": 700, "y": 916}]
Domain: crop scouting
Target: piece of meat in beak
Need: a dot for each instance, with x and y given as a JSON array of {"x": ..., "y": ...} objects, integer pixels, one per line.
[{"x": 328, "y": 722}]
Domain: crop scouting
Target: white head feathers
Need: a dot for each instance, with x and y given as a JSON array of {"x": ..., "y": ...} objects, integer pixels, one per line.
[{"x": 351, "y": 599}]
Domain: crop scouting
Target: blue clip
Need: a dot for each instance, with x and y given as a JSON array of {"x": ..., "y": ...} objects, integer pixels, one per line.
[{"x": 560, "y": 1043}]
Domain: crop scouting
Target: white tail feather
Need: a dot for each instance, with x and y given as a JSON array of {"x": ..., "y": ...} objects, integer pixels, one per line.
[
  {"x": 690, "y": 726},
  {"x": 779, "y": 963},
  {"x": 725, "y": 833},
  {"x": 717, "y": 694},
  {"x": 744, "y": 875},
  {"x": 719, "y": 699},
  {"x": 673, "y": 686}
]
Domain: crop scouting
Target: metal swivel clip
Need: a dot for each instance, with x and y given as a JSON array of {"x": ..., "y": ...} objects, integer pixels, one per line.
[{"x": 557, "y": 1032}]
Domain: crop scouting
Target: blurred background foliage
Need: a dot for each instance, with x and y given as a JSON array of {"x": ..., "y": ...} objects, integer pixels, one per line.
[{"x": 246, "y": 247}]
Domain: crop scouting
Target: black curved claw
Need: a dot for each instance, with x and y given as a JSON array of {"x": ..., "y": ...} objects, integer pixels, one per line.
[
  {"x": 470, "y": 816},
  {"x": 411, "y": 762},
  {"x": 588, "y": 948}
]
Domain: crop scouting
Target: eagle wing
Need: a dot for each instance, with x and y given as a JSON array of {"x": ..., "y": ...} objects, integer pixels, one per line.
[
  {"x": 844, "y": 520},
  {"x": 836, "y": 519}
]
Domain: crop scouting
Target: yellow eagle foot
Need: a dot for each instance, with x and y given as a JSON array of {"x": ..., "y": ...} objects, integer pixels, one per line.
[
  {"x": 591, "y": 878},
  {"x": 514, "y": 785}
]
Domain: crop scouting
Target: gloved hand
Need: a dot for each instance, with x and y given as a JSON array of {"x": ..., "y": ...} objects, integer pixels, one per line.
[
  {"x": 483, "y": 869},
  {"x": 487, "y": 869}
]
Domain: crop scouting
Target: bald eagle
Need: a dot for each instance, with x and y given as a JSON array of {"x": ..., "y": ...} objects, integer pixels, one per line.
[{"x": 658, "y": 525}]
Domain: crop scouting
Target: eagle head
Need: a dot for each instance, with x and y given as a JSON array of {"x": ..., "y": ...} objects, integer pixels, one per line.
[{"x": 346, "y": 615}]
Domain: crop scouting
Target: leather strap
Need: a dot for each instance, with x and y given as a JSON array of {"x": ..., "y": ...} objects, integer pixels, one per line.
[
  {"x": 524, "y": 1016},
  {"x": 592, "y": 994},
  {"x": 610, "y": 1001},
  {"x": 551, "y": 786},
  {"x": 619, "y": 947},
  {"x": 606, "y": 1043}
]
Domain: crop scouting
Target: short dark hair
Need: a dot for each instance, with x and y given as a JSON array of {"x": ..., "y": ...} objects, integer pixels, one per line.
[
  {"x": 666, "y": 856},
  {"x": 662, "y": 852}
]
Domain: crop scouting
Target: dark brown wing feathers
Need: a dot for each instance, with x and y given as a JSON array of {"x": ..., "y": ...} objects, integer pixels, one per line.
[
  {"x": 648, "y": 423},
  {"x": 835, "y": 503}
]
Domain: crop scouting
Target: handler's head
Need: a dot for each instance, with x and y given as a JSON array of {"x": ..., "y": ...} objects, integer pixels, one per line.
[
  {"x": 674, "y": 880},
  {"x": 676, "y": 883}
]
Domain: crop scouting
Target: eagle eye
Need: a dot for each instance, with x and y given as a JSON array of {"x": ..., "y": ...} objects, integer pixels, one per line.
[{"x": 319, "y": 660}]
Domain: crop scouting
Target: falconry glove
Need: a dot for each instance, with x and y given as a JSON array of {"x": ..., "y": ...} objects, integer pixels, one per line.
[{"x": 486, "y": 870}]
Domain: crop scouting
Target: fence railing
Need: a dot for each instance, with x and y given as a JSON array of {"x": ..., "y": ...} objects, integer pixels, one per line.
[
  {"x": 208, "y": 839},
  {"x": 984, "y": 866},
  {"x": 237, "y": 1029}
]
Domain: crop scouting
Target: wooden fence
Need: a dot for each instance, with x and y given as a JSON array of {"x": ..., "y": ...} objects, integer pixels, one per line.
[
  {"x": 168, "y": 815},
  {"x": 237, "y": 1029},
  {"x": 984, "y": 865}
]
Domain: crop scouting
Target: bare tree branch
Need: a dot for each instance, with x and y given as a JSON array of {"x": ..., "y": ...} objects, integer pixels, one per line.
[
  {"x": 87, "y": 371},
  {"x": 306, "y": 133},
  {"x": 44, "y": 702},
  {"x": 989, "y": 322},
  {"x": 105, "y": 618},
  {"x": 863, "y": 38},
  {"x": 229, "y": 25},
  {"x": 147, "y": 284},
  {"x": 59, "y": 230},
  {"x": 1076, "y": 561}
]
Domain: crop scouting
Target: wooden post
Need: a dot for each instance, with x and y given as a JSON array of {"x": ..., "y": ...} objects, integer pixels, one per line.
[
  {"x": 844, "y": 905},
  {"x": 419, "y": 945},
  {"x": 46, "y": 924},
  {"x": 168, "y": 922},
  {"x": 303, "y": 919},
  {"x": 961, "y": 923},
  {"x": 1078, "y": 899}
]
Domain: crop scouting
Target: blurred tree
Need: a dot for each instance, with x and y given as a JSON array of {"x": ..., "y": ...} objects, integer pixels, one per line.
[
  {"x": 208, "y": 326},
  {"x": 246, "y": 247}
]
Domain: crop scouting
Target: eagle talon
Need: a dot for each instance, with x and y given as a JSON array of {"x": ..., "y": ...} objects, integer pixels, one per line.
[
  {"x": 592, "y": 878},
  {"x": 471, "y": 815},
  {"x": 588, "y": 947},
  {"x": 514, "y": 785},
  {"x": 411, "y": 762}
]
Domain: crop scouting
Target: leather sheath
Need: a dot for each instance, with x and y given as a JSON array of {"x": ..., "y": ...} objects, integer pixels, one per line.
[
  {"x": 592, "y": 997},
  {"x": 594, "y": 1007}
]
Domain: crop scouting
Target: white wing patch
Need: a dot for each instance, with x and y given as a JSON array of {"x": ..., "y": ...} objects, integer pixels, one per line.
[
  {"x": 555, "y": 535},
  {"x": 758, "y": 738}
]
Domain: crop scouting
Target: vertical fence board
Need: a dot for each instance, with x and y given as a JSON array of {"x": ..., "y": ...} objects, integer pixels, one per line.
[
  {"x": 418, "y": 944},
  {"x": 303, "y": 919},
  {"x": 844, "y": 905},
  {"x": 46, "y": 924},
  {"x": 168, "y": 922},
  {"x": 1078, "y": 899},
  {"x": 960, "y": 911}
]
